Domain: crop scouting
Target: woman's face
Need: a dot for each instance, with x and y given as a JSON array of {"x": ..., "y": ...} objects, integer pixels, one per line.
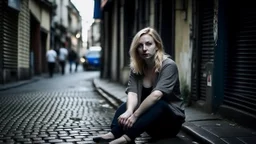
[{"x": 147, "y": 47}]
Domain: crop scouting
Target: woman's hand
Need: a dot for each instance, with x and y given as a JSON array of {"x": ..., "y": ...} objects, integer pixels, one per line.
[
  {"x": 130, "y": 121},
  {"x": 123, "y": 117}
]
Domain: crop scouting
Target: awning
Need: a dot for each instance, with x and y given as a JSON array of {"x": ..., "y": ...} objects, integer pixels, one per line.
[{"x": 97, "y": 9}]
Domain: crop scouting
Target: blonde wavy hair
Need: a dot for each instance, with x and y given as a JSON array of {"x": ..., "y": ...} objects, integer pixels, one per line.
[{"x": 137, "y": 64}]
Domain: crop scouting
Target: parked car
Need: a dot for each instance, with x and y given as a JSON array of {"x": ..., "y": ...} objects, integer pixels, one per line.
[{"x": 91, "y": 60}]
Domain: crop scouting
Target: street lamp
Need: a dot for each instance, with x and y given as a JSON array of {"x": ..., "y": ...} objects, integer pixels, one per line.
[{"x": 78, "y": 35}]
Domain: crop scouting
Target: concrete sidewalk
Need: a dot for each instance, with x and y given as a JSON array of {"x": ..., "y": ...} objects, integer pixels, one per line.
[
  {"x": 10, "y": 85},
  {"x": 18, "y": 83},
  {"x": 205, "y": 128}
]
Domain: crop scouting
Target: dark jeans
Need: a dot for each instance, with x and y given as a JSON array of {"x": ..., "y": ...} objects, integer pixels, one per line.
[
  {"x": 159, "y": 122},
  {"x": 71, "y": 62},
  {"x": 51, "y": 66},
  {"x": 62, "y": 65}
]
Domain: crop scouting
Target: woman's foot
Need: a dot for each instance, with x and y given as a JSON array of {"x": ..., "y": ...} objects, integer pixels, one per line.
[
  {"x": 122, "y": 140},
  {"x": 104, "y": 138}
]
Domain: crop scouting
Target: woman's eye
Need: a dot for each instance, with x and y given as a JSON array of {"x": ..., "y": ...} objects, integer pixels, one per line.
[
  {"x": 140, "y": 46},
  {"x": 148, "y": 43}
]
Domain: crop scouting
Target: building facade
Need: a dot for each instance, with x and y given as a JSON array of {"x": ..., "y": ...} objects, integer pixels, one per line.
[
  {"x": 66, "y": 26},
  {"x": 59, "y": 24},
  {"x": 28, "y": 29},
  {"x": 9, "y": 41},
  {"x": 211, "y": 41},
  {"x": 40, "y": 20},
  {"x": 75, "y": 29},
  {"x": 94, "y": 33},
  {"x": 24, "y": 37}
]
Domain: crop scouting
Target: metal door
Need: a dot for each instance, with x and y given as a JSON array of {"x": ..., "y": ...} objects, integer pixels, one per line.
[
  {"x": 204, "y": 52},
  {"x": 240, "y": 74}
]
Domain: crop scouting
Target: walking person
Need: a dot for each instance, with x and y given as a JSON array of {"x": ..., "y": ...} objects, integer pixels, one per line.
[
  {"x": 72, "y": 58},
  {"x": 63, "y": 53},
  {"x": 154, "y": 104},
  {"x": 51, "y": 56}
]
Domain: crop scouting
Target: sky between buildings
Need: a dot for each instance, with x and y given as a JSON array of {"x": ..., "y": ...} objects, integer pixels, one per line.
[{"x": 85, "y": 7}]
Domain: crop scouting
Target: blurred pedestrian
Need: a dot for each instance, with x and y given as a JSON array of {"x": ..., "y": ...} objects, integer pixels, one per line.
[
  {"x": 73, "y": 59},
  {"x": 154, "y": 104},
  {"x": 51, "y": 56},
  {"x": 63, "y": 53}
]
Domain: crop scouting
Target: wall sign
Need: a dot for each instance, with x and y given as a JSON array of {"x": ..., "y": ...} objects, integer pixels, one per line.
[{"x": 209, "y": 80}]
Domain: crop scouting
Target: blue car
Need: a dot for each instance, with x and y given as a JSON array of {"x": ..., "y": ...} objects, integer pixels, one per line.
[{"x": 92, "y": 60}]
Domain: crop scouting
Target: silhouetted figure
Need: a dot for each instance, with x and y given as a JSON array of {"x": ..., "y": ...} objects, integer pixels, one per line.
[
  {"x": 51, "y": 57},
  {"x": 63, "y": 53},
  {"x": 73, "y": 58}
]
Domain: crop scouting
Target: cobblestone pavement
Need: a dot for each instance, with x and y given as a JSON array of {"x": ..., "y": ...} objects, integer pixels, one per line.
[{"x": 62, "y": 109}]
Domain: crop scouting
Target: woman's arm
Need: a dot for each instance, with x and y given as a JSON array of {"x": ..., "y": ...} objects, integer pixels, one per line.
[
  {"x": 132, "y": 101},
  {"x": 148, "y": 102},
  {"x": 131, "y": 91}
]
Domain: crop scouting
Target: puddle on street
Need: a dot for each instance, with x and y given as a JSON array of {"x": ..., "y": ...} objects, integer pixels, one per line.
[{"x": 81, "y": 88}]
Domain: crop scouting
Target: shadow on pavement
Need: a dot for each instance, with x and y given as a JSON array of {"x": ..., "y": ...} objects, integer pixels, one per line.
[{"x": 176, "y": 140}]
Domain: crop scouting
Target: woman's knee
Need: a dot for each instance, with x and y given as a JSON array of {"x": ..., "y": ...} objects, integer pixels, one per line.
[
  {"x": 159, "y": 105},
  {"x": 121, "y": 109}
]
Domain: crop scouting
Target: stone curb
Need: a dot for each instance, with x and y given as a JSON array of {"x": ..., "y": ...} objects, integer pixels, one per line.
[
  {"x": 196, "y": 135},
  {"x": 17, "y": 84}
]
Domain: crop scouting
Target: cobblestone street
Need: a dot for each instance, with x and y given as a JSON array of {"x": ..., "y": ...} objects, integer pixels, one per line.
[{"x": 63, "y": 109}]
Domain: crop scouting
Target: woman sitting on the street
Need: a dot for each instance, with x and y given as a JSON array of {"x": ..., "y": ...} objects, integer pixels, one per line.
[{"x": 154, "y": 104}]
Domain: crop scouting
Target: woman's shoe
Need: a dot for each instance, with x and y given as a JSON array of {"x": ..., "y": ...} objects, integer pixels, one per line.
[{"x": 101, "y": 140}]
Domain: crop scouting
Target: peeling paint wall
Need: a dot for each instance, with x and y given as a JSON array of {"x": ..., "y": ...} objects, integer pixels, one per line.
[{"x": 183, "y": 43}]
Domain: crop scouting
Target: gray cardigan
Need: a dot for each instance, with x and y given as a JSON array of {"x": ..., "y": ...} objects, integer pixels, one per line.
[{"x": 167, "y": 81}]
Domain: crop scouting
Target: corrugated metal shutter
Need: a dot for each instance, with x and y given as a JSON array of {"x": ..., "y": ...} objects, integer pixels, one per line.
[
  {"x": 204, "y": 48},
  {"x": 1, "y": 31},
  {"x": 1, "y": 41},
  {"x": 10, "y": 37},
  {"x": 206, "y": 42},
  {"x": 240, "y": 79}
]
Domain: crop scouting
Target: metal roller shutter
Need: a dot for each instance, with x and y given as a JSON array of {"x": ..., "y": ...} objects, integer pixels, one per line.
[
  {"x": 10, "y": 37},
  {"x": 206, "y": 42},
  {"x": 240, "y": 79},
  {"x": 1, "y": 22},
  {"x": 205, "y": 48},
  {"x": 1, "y": 40}
]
